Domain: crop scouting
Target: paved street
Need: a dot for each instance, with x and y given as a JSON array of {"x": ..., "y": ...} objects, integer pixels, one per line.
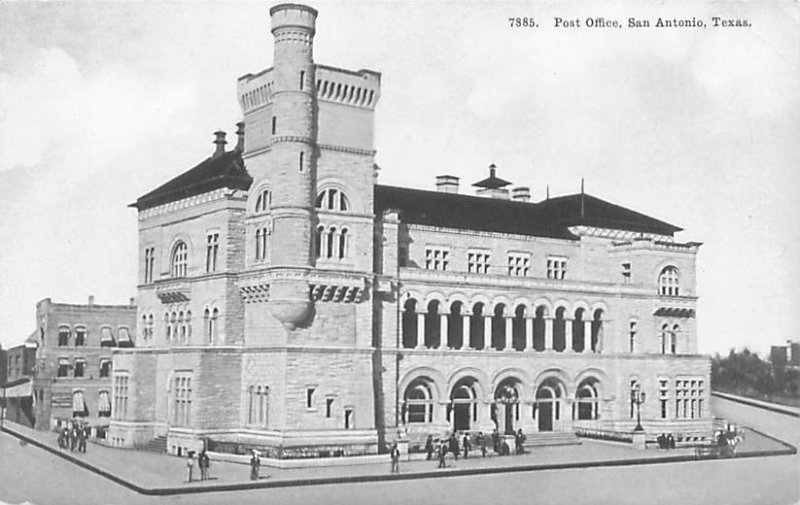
[{"x": 28, "y": 473}]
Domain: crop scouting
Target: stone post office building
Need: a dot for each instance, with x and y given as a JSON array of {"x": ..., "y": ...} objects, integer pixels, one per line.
[{"x": 290, "y": 303}]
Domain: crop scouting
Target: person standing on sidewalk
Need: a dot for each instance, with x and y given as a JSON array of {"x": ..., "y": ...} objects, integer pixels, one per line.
[
  {"x": 454, "y": 445},
  {"x": 255, "y": 464},
  {"x": 467, "y": 445},
  {"x": 482, "y": 443},
  {"x": 190, "y": 466},
  {"x": 395, "y": 455},
  {"x": 429, "y": 447},
  {"x": 442, "y": 454}
]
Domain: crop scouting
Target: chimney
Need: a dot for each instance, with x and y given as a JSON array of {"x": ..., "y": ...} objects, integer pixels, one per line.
[
  {"x": 240, "y": 137},
  {"x": 447, "y": 184},
  {"x": 220, "y": 142},
  {"x": 91, "y": 300},
  {"x": 521, "y": 194}
]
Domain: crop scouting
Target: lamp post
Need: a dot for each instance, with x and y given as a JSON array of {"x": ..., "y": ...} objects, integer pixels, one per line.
[{"x": 638, "y": 398}]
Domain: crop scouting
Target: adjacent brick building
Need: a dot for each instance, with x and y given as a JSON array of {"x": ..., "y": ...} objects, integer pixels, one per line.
[
  {"x": 288, "y": 302},
  {"x": 74, "y": 359}
]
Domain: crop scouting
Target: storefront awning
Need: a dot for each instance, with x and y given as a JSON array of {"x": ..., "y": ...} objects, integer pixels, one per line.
[{"x": 18, "y": 389}]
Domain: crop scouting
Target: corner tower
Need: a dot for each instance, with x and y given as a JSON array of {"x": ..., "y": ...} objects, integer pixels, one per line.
[{"x": 292, "y": 160}]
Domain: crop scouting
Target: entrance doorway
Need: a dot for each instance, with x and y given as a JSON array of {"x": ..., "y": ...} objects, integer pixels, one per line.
[
  {"x": 548, "y": 404},
  {"x": 465, "y": 405}
]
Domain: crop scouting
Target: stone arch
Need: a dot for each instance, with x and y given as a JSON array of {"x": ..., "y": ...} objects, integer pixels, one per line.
[
  {"x": 601, "y": 376},
  {"x": 543, "y": 302},
  {"x": 457, "y": 297},
  {"x": 553, "y": 371},
  {"x": 525, "y": 303},
  {"x": 436, "y": 377},
  {"x": 255, "y": 194},
  {"x": 501, "y": 300},
  {"x": 437, "y": 296},
  {"x": 413, "y": 293},
  {"x": 599, "y": 305},
  {"x": 481, "y": 380},
  {"x": 562, "y": 303},
  {"x": 580, "y": 304},
  {"x": 510, "y": 372},
  {"x": 479, "y": 298}
]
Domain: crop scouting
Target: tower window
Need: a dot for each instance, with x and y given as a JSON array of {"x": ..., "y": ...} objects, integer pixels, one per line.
[
  {"x": 669, "y": 282},
  {"x": 310, "y": 397},
  {"x": 302, "y": 79},
  {"x": 301, "y": 160},
  {"x": 332, "y": 199},
  {"x": 626, "y": 273},
  {"x": 328, "y": 407},
  {"x": 274, "y": 125},
  {"x": 264, "y": 201}
]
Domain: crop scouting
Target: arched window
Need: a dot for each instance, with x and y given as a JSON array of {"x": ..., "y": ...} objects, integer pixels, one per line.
[
  {"x": 587, "y": 400},
  {"x": 333, "y": 199},
  {"x": 410, "y": 324},
  {"x": 669, "y": 282},
  {"x": 264, "y": 201},
  {"x": 180, "y": 260},
  {"x": 262, "y": 235},
  {"x": 318, "y": 241},
  {"x": 207, "y": 325},
  {"x": 331, "y": 242},
  {"x": 664, "y": 338},
  {"x": 212, "y": 326},
  {"x": 419, "y": 402},
  {"x": 343, "y": 243}
]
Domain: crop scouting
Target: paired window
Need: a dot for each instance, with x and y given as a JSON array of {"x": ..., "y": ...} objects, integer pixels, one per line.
[
  {"x": 556, "y": 267},
  {"x": 179, "y": 326},
  {"x": 669, "y": 339},
  {"x": 669, "y": 282},
  {"x": 120, "y": 396},
  {"x": 179, "y": 264},
  {"x": 210, "y": 317},
  {"x": 149, "y": 264},
  {"x": 437, "y": 258},
  {"x": 333, "y": 199},
  {"x": 518, "y": 264},
  {"x": 261, "y": 243},
  {"x": 688, "y": 399},
  {"x": 478, "y": 262},
  {"x": 632, "y": 336},
  {"x": 182, "y": 394},
  {"x": 264, "y": 201},
  {"x": 147, "y": 329},
  {"x": 258, "y": 406},
  {"x": 212, "y": 248}
]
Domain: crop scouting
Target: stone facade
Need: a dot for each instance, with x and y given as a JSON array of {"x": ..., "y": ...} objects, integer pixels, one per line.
[{"x": 307, "y": 313}]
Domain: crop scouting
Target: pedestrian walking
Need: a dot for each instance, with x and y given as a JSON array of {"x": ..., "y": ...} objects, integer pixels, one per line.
[
  {"x": 203, "y": 462},
  {"x": 467, "y": 445},
  {"x": 482, "y": 443},
  {"x": 73, "y": 438},
  {"x": 255, "y": 464},
  {"x": 442, "y": 454},
  {"x": 81, "y": 435},
  {"x": 429, "y": 447},
  {"x": 395, "y": 455},
  {"x": 496, "y": 441},
  {"x": 520, "y": 439}
]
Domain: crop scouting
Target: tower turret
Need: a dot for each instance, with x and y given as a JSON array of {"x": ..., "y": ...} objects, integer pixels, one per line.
[{"x": 292, "y": 160}]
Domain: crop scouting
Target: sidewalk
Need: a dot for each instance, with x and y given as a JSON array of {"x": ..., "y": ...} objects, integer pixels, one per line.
[
  {"x": 161, "y": 474},
  {"x": 774, "y": 407}
]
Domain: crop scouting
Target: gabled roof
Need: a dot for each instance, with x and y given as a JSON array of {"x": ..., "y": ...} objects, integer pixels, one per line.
[
  {"x": 549, "y": 218},
  {"x": 226, "y": 170}
]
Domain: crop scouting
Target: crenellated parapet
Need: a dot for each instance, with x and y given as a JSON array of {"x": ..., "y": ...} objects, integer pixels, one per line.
[{"x": 356, "y": 89}]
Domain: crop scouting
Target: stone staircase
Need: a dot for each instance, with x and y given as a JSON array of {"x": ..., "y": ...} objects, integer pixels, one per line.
[
  {"x": 550, "y": 438},
  {"x": 158, "y": 444}
]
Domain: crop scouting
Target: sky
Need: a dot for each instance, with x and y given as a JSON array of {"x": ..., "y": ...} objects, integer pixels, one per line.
[{"x": 102, "y": 102}]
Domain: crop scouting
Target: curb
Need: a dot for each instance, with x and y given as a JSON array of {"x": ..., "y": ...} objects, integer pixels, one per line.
[
  {"x": 171, "y": 491},
  {"x": 757, "y": 404}
]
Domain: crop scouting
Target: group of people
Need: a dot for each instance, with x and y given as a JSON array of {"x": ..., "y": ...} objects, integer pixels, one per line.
[
  {"x": 665, "y": 441},
  {"x": 451, "y": 445},
  {"x": 73, "y": 436}
]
